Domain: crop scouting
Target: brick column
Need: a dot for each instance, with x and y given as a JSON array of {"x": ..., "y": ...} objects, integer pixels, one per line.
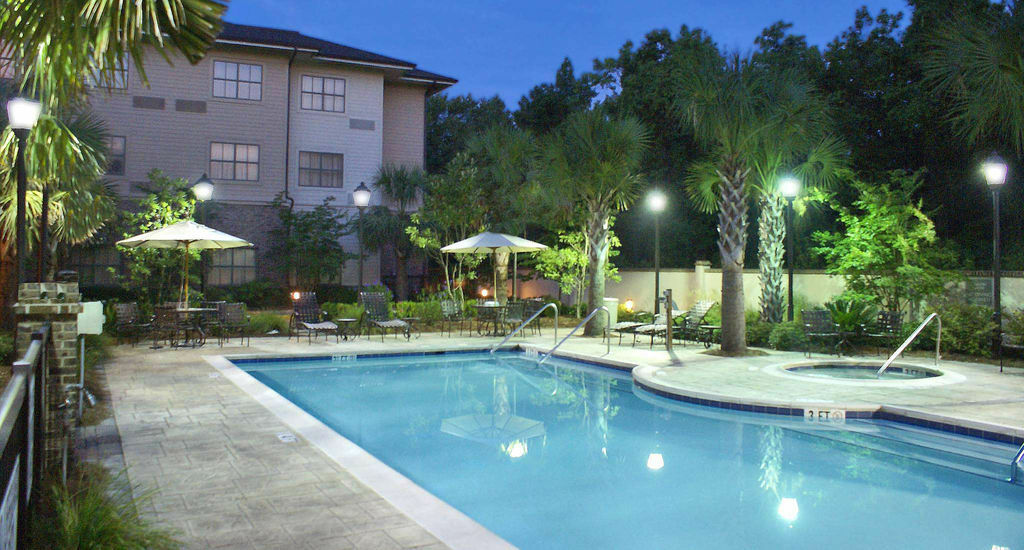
[{"x": 59, "y": 304}]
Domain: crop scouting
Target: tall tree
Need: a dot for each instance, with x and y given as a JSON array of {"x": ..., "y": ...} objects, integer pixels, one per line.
[
  {"x": 591, "y": 165},
  {"x": 742, "y": 114},
  {"x": 453, "y": 121},
  {"x": 504, "y": 158},
  {"x": 547, "y": 105},
  {"x": 385, "y": 225}
]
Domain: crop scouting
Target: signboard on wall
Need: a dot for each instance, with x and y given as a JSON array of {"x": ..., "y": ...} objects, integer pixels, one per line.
[{"x": 979, "y": 292}]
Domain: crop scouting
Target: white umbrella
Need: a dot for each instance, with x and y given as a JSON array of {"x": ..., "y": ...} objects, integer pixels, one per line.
[
  {"x": 493, "y": 243},
  {"x": 185, "y": 235}
]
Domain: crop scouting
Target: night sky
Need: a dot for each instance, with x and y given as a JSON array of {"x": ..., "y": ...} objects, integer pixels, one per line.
[{"x": 506, "y": 48}]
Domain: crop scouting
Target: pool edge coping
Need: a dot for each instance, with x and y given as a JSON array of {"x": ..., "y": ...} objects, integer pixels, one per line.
[{"x": 451, "y": 527}]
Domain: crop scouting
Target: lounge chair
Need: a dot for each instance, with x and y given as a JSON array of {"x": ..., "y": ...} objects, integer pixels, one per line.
[
  {"x": 818, "y": 325},
  {"x": 309, "y": 317},
  {"x": 625, "y": 327},
  {"x": 692, "y": 321},
  {"x": 659, "y": 327},
  {"x": 377, "y": 313}
]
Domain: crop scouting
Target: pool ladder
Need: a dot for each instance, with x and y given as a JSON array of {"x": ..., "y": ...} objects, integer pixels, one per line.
[
  {"x": 903, "y": 346},
  {"x": 528, "y": 321},
  {"x": 1016, "y": 467},
  {"x": 573, "y": 331}
]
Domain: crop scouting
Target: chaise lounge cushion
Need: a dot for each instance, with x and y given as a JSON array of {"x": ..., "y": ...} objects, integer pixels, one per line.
[{"x": 320, "y": 327}]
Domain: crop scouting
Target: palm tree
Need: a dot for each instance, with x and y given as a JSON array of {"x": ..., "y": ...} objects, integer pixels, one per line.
[
  {"x": 505, "y": 157},
  {"x": 751, "y": 120},
  {"x": 591, "y": 164},
  {"x": 977, "y": 60},
  {"x": 384, "y": 227}
]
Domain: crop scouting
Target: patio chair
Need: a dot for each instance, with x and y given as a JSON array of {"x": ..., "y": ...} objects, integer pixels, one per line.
[
  {"x": 692, "y": 321},
  {"x": 210, "y": 321},
  {"x": 308, "y": 317},
  {"x": 515, "y": 313},
  {"x": 625, "y": 327},
  {"x": 129, "y": 322},
  {"x": 657, "y": 327},
  {"x": 377, "y": 313},
  {"x": 531, "y": 307},
  {"x": 451, "y": 313},
  {"x": 818, "y": 325},
  {"x": 234, "y": 320},
  {"x": 167, "y": 325},
  {"x": 887, "y": 330}
]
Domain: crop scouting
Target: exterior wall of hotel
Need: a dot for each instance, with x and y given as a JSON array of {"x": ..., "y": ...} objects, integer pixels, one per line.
[{"x": 176, "y": 140}]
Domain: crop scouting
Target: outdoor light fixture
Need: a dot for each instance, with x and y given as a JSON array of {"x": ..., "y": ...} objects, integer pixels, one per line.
[
  {"x": 516, "y": 449},
  {"x": 789, "y": 509},
  {"x": 656, "y": 201},
  {"x": 203, "y": 188},
  {"x": 994, "y": 168},
  {"x": 789, "y": 187},
  {"x": 483, "y": 292},
  {"x": 629, "y": 304},
  {"x": 361, "y": 198},
  {"x": 655, "y": 461},
  {"x": 296, "y": 295},
  {"x": 22, "y": 115}
]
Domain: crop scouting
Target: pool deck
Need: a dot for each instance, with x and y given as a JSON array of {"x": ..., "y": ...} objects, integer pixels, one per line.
[{"x": 224, "y": 478}]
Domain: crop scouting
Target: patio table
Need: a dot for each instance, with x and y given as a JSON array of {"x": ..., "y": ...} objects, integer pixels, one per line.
[
  {"x": 490, "y": 315},
  {"x": 707, "y": 334},
  {"x": 345, "y": 328},
  {"x": 193, "y": 316}
]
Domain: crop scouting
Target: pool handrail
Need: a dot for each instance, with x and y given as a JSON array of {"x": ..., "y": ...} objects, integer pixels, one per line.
[
  {"x": 1015, "y": 463},
  {"x": 528, "y": 321},
  {"x": 573, "y": 331},
  {"x": 903, "y": 346}
]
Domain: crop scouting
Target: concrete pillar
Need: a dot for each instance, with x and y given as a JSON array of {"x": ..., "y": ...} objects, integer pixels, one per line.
[
  {"x": 59, "y": 304},
  {"x": 700, "y": 273}
]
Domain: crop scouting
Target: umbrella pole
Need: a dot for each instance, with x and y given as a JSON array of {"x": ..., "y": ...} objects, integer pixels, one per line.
[
  {"x": 515, "y": 275},
  {"x": 184, "y": 281},
  {"x": 494, "y": 272}
]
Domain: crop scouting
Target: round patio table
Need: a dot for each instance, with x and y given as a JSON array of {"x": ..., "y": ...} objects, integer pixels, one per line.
[
  {"x": 193, "y": 316},
  {"x": 490, "y": 315},
  {"x": 345, "y": 328}
]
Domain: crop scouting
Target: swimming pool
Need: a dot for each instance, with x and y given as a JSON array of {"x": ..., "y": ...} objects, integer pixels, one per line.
[{"x": 567, "y": 455}]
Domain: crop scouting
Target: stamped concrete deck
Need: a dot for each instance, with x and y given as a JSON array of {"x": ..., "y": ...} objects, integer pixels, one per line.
[{"x": 224, "y": 479}]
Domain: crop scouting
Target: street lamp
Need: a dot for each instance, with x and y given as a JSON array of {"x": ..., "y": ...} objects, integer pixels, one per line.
[
  {"x": 656, "y": 202},
  {"x": 789, "y": 187},
  {"x": 203, "y": 191},
  {"x": 22, "y": 115},
  {"x": 361, "y": 198},
  {"x": 994, "y": 168}
]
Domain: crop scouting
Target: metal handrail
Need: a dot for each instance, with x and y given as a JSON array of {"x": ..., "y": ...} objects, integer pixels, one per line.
[
  {"x": 1013, "y": 465},
  {"x": 903, "y": 346},
  {"x": 526, "y": 322},
  {"x": 573, "y": 331}
]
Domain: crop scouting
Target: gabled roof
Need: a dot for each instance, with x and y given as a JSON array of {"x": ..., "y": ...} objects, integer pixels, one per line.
[{"x": 233, "y": 33}]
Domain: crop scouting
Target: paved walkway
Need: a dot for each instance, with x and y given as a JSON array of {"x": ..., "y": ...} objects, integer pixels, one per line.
[{"x": 225, "y": 479}]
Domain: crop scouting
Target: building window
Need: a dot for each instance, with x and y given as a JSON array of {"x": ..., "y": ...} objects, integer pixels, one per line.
[
  {"x": 96, "y": 266},
  {"x": 113, "y": 79},
  {"x": 115, "y": 155},
  {"x": 321, "y": 169},
  {"x": 323, "y": 94},
  {"x": 234, "y": 161},
  {"x": 232, "y": 267},
  {"x": 237, "y": 80}
]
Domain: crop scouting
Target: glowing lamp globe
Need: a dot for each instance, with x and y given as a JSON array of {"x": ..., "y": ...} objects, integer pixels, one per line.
[
  {"x": 656, "y": 201},
  {"x": 994, "y": 168},
  {"x": 789, "y": 187},
  {"x": 361, "y": 195},
  {"x": 655, "y": 461},
  {"x": 788, "y": 509},
  {"x": 22, "y": 113}
]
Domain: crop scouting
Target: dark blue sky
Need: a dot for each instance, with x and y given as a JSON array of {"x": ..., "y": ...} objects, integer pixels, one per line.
[{"x": 506, "y": 48}]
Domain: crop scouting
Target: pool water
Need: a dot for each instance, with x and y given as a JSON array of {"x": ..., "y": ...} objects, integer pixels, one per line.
[
  {"x": 565, "y": 455},
  {"x": 861, "y": 372}
]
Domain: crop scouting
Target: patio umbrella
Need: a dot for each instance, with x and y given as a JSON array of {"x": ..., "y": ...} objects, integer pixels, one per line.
[
  {"x": 493, "y": 243},
  {"x": 186, "y": 235}
]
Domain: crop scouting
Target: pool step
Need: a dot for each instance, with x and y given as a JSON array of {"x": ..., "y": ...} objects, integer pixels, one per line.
[{"x": 980, "y": 457}]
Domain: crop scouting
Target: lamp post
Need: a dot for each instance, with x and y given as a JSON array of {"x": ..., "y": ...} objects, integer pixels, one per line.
[
  {"x": 22, "y": 115},
  {"x": 361, "y": 198},
  {"x": 994, "y": 168},
  {"x": 203, "y": 191},
  {"x": 789, "y": 187},
  {"x": 656, "y": 201}
]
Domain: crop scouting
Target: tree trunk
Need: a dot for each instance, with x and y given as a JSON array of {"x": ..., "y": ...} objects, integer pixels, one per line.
[
  {"x": 597, "y": 234},
  {"x": 771, "y": 250},
  {"x": 401, "y": 275},
  {"x": 732, "y": 241},
  {"x": 501, "y": 277}
]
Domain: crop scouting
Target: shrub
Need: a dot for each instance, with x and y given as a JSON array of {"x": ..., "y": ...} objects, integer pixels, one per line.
[
  {"x": 1014, "y": 322},
  {"x": 262, "y": 323},
  {"x": 966, "y": 329},
  {"x": 787, "y": 337},
  {"x": 6, "y": 347},
  {"x": 427, "y": 312},
  {"x": 758, "y": 333},
  {"x": 258, "y": 294},
  {"x": 96, "y": 511},
  {"x": 851, "y": 313},
  {"x": 338, "y": 293},
  {"x": 343, "y": 311},
  {"x": 714, "y": 316}
]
